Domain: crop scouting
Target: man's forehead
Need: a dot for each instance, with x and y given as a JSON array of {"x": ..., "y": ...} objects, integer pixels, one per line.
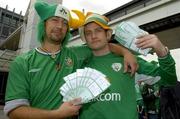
[
  {"x": 92, "y": 25},
  {"x": 57, "y": 17}
]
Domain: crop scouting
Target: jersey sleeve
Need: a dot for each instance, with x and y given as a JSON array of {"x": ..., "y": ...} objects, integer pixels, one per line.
[
  {"x": 17, "y": 84},
  {"x": 83, "y": 54},
  {"x": 166, "y": 70}
]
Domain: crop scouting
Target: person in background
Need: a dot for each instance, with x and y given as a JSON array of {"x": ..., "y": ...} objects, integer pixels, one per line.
[
  {"x": 140, "y": 103},
  {"x": 151, "y": 98}
]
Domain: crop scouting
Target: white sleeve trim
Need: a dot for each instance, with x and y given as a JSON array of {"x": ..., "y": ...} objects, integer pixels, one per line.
[{"x": 10, "y": 105}]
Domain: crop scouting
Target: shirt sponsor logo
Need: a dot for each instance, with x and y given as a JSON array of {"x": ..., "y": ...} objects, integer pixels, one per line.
[{"x": 107, "y": 97}]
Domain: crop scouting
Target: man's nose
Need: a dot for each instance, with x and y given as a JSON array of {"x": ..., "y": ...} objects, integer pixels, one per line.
[
  {"x": 93, "y": 34},
  {"x": 59, "y": 25}
]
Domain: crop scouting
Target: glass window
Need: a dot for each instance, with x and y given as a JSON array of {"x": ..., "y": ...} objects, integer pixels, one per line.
[
  {"x": 117, "y": 15},
  {"x": 135, "y": 7},
  {"x": 151, "y": 2},
  {"x": 13, "y": 22},
  {"x": 3, "y": 81},
  {"x": 5, "y": 20},
  {"x": 5, "y": 31},
  {"x": 11, "y": 30}
]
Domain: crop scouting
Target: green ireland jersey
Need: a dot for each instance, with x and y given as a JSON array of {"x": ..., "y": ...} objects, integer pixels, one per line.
[
  {"x": 119, "y": 100},
  {"x": 34, "y": 76}
]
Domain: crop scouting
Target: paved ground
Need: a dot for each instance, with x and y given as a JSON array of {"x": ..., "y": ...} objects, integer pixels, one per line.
[{"x": 2, "y": 116}]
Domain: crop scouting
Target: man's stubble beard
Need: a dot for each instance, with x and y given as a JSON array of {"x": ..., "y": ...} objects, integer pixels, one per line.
[{"x": 55, "y": 40}]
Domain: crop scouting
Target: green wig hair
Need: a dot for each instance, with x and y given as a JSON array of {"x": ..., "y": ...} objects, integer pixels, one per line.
[{"x": 46, "y": 11}]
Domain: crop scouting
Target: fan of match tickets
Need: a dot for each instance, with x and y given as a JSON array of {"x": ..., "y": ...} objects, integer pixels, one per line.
[
  {"x": 85, "y": 83},
  {"x": 126, "y": 33}
]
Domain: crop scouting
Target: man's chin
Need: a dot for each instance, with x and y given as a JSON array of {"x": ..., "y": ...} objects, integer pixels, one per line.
[
  {"x": 95, "y": 48},
  {"x": 56, "y": 40}
]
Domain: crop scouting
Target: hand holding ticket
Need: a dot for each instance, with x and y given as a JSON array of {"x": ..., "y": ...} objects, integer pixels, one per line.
[{"x": 126, "y": 33}]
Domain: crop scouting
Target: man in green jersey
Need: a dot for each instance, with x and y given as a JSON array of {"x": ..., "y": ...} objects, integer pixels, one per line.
[
  {"x": 119, "y": 100},
  {"x": 151, "y": 98},
  {"x": 35, "y": 77}
]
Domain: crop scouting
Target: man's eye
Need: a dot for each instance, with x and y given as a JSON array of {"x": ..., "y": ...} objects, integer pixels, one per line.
[
  {"x": 65, "y": 22},
  {"x": 88, "y": 33},
  {"x": 99, "y": 29}
]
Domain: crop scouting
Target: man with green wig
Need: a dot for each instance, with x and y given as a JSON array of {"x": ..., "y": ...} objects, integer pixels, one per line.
[
  {"x": 119, "y": 100},
  {"x": 35, "y": 77}
]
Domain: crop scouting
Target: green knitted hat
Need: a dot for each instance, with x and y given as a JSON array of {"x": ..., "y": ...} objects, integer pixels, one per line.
[{"x": 46, "y": 11}]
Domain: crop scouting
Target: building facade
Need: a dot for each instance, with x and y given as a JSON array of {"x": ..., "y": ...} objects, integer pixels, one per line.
[{"x": 9, "y": 22}]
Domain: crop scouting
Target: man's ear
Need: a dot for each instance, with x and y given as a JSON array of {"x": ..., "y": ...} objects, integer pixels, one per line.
[{"x": 109, "y": 34}]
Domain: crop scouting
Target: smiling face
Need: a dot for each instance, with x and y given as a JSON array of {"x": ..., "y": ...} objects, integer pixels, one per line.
[
  {"x": 56, "y": 29},
  {"x": 96, "y": 37}
]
